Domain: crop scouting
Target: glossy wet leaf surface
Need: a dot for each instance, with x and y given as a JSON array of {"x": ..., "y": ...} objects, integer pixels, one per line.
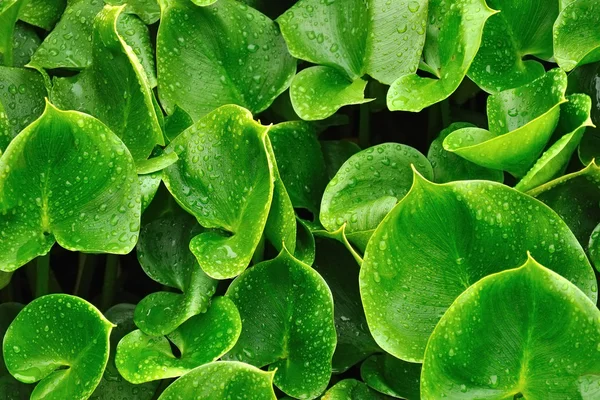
[
  {"x": 291, "y": 329},
  {"x": 391, "y": 376},
  {"x": 66, "y": 178},
  {"x": 61, "y": 341},
  {"x": 351, "y": 389},
  {"x": 546, "y": 345},
  {"x": 440, "y": 239},
  {"x": 10, "y": 388},
  {"x": 576, "y": 37}
]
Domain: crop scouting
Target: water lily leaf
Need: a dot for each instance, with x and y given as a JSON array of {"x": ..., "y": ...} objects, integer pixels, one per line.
[
  {"x": 339, "y": 269},
  {"x": 368, "y": 186},
  {"x": 205, "y": 62},
  {"x": 42, "y": 13},
  {"x": 61, "y": 341},
  {"x": 25, "y": 43},
  {"x": 112, "y": 385},
  {"x": 300, "y": 162},
  {"x": 336, "y": 153},
  {"x": 453, "y": 38},
  {"x": 201, "y": 339},
  {"x": 224, "y": 144},
  {"x": 575, "y": 197},
  {"x": 521, "y": 121},
  {"x": 576, "y": 37},
  {"x": 448, "y": 167},
  {"x": 22, "y": 93},
  {"x": 10, "y": 388},
  {"x": 385, "y": 42},
  {"x": 287, "y": 329},
  {"x": 392, "y": 376},
  {"x": 66, "y": 178},
  {"x": 114, "y": 89},
  {"x": 521, "y": 29},
  {"x": 164, "y": 255},
  {"x": 440, "y": 239},
  {"x": 220, "y": 381},
  {"x": 147, "y": 10},
  {"x": 547, "y": 336},
  {"x": 351, "y": 389},
  {"x": 574, "y": 119}
]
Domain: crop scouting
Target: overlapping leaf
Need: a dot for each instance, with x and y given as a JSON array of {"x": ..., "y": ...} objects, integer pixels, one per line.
[
  {"x": 576, "y": 35},
  {"x": 351, "y": 389},
  {"x": 10, "y": 388},
  {"x": 391, "y": 376}
]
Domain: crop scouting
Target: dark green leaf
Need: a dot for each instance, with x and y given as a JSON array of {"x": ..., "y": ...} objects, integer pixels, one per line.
[{"x": 392, "y": 376}]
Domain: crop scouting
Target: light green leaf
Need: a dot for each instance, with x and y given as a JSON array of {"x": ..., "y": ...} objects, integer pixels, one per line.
[
  {"x": 542, "y": 344},
  {"x": 112, "y": 385},
  {"x": 594, "y": 247},
  {"x": 114, "y": 88},
  {"x": 148, "y": 187},
  {"x": 42, "y": 13},
  {"x": 156, "y": 164},
  {"x": 291, "y": 328},
  {"x": 204, "y": 60},
  {"x": 448, "y": 167},
  {"x": 176, "y": 123},
  {"x": 22, "y": 93},
  {"x": 521, "y": 29},
  {"x": 521, "y": 122},
  {"x": 147, "y": 10},
  {"x": 576, "y": 34},
  {"x": 66, "y": 178},
  {"x": 453, "y": 38},
  {"x": 351, "y": 389},
  {"x": 9, "y": 13},
  {"x": 201, "y": 339},
  {"x": 440, "y": 239},
  {"x": 368, "y": 186},
  {"x": 10, "y": 388},
  {"x": 574, "y": 118},
  {"x": 221, "y": 381},
  {"x": 61, "y": 341},
  {"x": 392, "y": 376}
]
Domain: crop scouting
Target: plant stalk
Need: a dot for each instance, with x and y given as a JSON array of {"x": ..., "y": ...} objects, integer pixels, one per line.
[
  {"x": 110, "y": 278},
  {"x": 42, "y": 275}
]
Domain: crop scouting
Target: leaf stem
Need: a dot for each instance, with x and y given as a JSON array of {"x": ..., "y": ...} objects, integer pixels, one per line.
[
  {"x": 364, "y": 131},
  {"x": 42, "y": 275},
  {"x": 110, "y": 277}
]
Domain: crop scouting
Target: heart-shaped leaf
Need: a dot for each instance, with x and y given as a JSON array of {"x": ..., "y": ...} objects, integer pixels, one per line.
[
  {"x": 114, "y": 88},
  {"x": 349, "y": 40},
  {"x": 223, "y": 145},
  {"x": 351, "y": 389},
  {"x": 339, "y": 269},
  {"x": 200, "y": 340},
  {"x": 542, "y": 343},
  {"x": 440, "y": 239},
  {"x": 112, "y": 385},
  {"x": 61, "y": 341},
  {"x": 291, "y": 328},
  {"x": 367, "y": 187},
  {"x": 147, "y": 10},
  {"x": 453, "y": 37},
  {"x": 392, "y": 376},
  {"x": 22, "y": 93},
  {"x": 10, "y": 388},
  {"x": 163, "y": 252},
  {"x": 448, "y": 167},
  {"x": 221, "y": 381},
  {"x": 576, "y": 34},
  {"x": 225, "y": 53},
  {"x": 574, "y": 119},
  {"x": 521, "y": 29},
  {"x": 66, "y": 178},
  {"x": 521, "y": 121}
]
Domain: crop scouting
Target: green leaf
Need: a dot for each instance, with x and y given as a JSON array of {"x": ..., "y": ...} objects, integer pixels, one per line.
[
  {"x": 10, "y": 388},
  {"x": 574, "y": 119},
  {"x": 368, "y": 186},
  {"x": 221, "y": 381},
  {"x": 543, "y": 343},
  {"x": 521, "y": 124},
  {"x": 156, "y": 164},
  {"x": 520, "y": 30},
  {"x": 448, "y": 167},
  {"x": 440, "y": 239},
  {"x": 351, "y": 389},
  {"x": 9, "y": 13},
  {"x": 291, "y": 328},
  {"x": 336, "y": 153},
  {"x": 147, "y": 10},
  {"x": 148, "y": 187},
  {"x": 66, "y": 178},
  {"x": 224, "y": 178},
  {"x": 61, "y": 341},
  {"x": 204, "y": 60},
  {"x": 114, "y": 89},
  {"x": 339, "y": 269},
  {"x": 176, "y": 123},
  {"x": 112, "y": 385},
  {"x": 575, "y": 197},
  {"x": 576, "y": 35},
  {"x": 25, "y": 43},
  {"x": 42, "y": 13},
  {"x": 384, "y": 41},
  {"x": 270, "y": 8},
  {"x": 392, "y": 376},
  {"x": 165, "y": 257},
  {"x": 22, "y": 93},
  {"x": 201, "y": 339},
  {"x": 453, "y": 38},
  {"x": 594, "y": 247}
]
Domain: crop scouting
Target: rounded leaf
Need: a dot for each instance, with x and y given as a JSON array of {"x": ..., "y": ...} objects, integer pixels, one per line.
[
  {"x": 351, "y": 389},
  {"x": 576, "y": 34},
  {"x": 391, "y": 376}
]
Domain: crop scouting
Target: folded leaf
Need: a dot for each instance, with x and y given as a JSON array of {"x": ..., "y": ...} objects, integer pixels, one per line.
[
  {"x": 351, "y": 389},
  {"x": 25, "y": 43},
  {"x": 147, "y": 10},
  {"x": 42, "y": 13},
  {"x": 576, "y": 35},
  {"x": 391, "y": 376}
]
